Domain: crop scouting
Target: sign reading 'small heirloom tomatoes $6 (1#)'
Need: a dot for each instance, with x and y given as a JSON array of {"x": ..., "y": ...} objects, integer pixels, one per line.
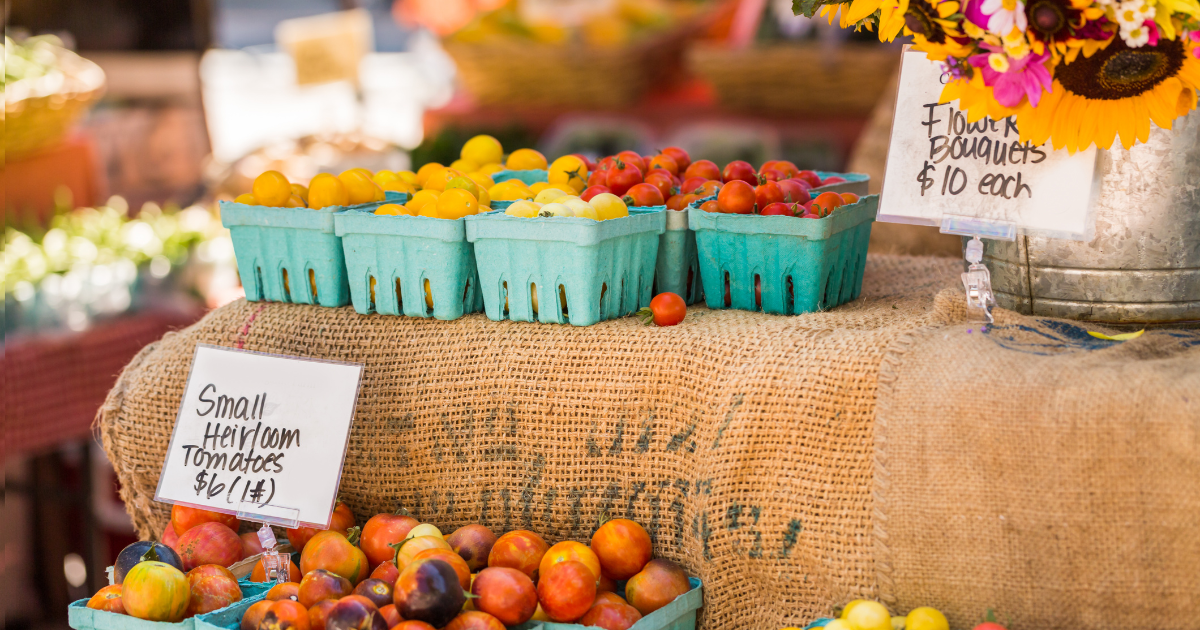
[{"x": 262, "y": 436}]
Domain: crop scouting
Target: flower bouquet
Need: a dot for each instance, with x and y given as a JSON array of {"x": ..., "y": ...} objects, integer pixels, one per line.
[{"x": 1073, "y": 72}]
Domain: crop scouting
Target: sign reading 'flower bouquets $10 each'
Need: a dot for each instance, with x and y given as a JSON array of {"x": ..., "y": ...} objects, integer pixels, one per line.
[{"x": 942, "y": 164}]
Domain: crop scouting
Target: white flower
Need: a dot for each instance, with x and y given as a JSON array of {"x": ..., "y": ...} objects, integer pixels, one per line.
[
  {"x": 1005, "y": 15},
  {"x": 1130, "y": 14},
  {"x": 1136, "y": 37}
]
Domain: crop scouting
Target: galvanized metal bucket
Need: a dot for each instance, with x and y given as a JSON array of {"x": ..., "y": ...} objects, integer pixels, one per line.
[{"x": 1143, "y": 266}]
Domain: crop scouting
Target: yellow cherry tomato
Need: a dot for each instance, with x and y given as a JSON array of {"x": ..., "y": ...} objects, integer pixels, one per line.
[
  {"x": 383, "y": 177},
  {"x": 537, "y": 187},
  {"x": 848, "y": 607},
  {"x": 408, "y": 176},
  {"x": 549, "y": 194},
  {"x": 525, "y": 160},
  {"x": 482, "y": 149},
  {"x": 569, "y": 170},
  {"x": 394, "y": 209},
  {"x": 524, "y": 209},
  {"x": 300, "y": 191},
  {"x": 484, "y": 199},
  {"x": 359, "y": 187},
  {"x": 838, "y": 624},
  {"x": 425, "y": 171},
  {"x": 488, "y": 169},
  {"x": 898, "y": 623},
  {"x": 505, "y": 191},
  {"x": 609, "y": 206},
  {"x": 272, "y": 188},
  {"x": 869, "y": 616},
  {"x": 581, "y": 208},
  {"x": 294, "y": 202},
  {"x": 465, "y": 166},
  {"x": 421, "y": 198},
  {"x": 379, "y": 194},
  {"x": 429, "y": 210},
  {"x": 247, "y": 199},
  {"x": 440, "y": 179},
  {"x": 925, "y": 618},
  {"x": 482, "y": 179},
  {"x": 463, "y": 183},
  {"x": 399, "y": 185},
  {"x": 326, "y": 190},
  {"x": 364, "y": 171},
  {"x": 457, "y": 203}
]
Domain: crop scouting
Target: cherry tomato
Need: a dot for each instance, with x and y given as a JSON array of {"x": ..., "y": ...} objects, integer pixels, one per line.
[
  {"x": 710, "y": 206},
  {"x": 597, "y": 178},
  {"x": 622, "y": 177},
  {"x": 812, "y": 178},
  {"x": 793, "y": 191},
  {"x": 666, "y": 309},
  {"x": 592, "y": 191},
  {"x": 708, "y": 188},
  {"x": 736, "y": 197},
  {"x": 662, "y": 182},
  {"x": 739, "y": 169},
  {"x": 849, "y": 198},
  {"x": 778, "y": 208},
  {"x": 643, "y": 195},
  {"x": 664, "y": 162},
  {"x": 703, "y": 168},
  {"x": 826, "y": 203},
  {"x": 782, "y": 165},
  {"x": 691, "y": 184},
  {"x": 767, "y": 193},
  {"x": 633, "y": 158},
  {"x": 833, "y": 180},
  {"x": 680, "y": 156},
  {"x": 772, "y": 174}
]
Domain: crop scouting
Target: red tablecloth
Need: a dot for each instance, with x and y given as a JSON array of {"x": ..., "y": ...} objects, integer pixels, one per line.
[{"x": 54, "y": 384}]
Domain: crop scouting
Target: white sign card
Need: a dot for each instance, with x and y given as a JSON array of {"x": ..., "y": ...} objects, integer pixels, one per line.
[
  {"x": 262, "y": 436},
  {"x": 940, "y": 165}
]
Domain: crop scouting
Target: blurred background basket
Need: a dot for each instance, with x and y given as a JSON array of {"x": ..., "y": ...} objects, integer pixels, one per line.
[
  {"x": 39, "y": 111},
  {"x": 521, "y": 72},
  {"x": 821, "y": 77}
]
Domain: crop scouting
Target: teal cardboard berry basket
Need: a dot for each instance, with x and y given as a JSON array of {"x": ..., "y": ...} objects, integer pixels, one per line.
[
  {"x": 291, "y": 254},
  {"x": 80, "y": 617},
  {"x": 800, "y": 265},
  {"x": 579, "y": 271},
  {"x": 855, "y": 183},
  {"x": 530, "y": 177},
  {"x": 390, "y": 260},
  {"x": 678, "y": 267},
  {"x": 678, "y": 615}
]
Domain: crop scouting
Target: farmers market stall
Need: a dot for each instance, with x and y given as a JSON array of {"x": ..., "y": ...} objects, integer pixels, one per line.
[{"x": 885, "y": 449}]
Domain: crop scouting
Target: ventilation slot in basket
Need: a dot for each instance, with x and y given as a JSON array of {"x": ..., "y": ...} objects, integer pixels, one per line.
[
  {"x": 287, "y": 289},
  {"x": 428, "y": 299},
  {"x": 399, "y": 298},
  {"x": 758, "y": 293},
  {"x": 312, "y": 284},
  {"x": 728, "y": 293},
  {"x": 372, "y": 283}
]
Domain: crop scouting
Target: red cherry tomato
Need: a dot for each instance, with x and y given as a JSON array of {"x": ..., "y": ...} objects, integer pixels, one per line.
[
  {"x": 680, "y": 156},
  {"x": 643, "y": 195},
  {"x": 738, "y": 169},
  {"x": 793, "y": 191},
  {"x": 592, "y": 191},
  {"x": 826, "y": 203},
  {"x": 766, "y": 194},
  {"x": 778, "y": 208},
  {"x": 710, "y": 206},
  {"x": 606, "y": 163},
  {"x": 633, "y": 158},
  {"x": 597, "y": 178},
  {"x": 591, "y": 166},
  {"x": 833, "y": 180},
  {"x": 622, "y": 177},
  {"x": 736, "y": 197},
  {"x": 812, "y": 178},
  {"x": 662, "y": 181},
  {"x": 691, "y": 184},
  {"x": 666, "y": 309},
  {"x": 708, "y": 188},
  {"x": 703, "y": 168},
  {"x": 785, "y": 166}
]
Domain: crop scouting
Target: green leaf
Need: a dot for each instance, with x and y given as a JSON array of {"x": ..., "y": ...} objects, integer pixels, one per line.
[{"x": 809, "y": 8}]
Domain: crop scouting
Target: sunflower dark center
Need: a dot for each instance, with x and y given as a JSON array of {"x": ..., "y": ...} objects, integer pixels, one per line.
[
  {"x": 1047, "y": 17},
  {"x": 1121, "y": 72},
  {"x": 920, "y": 19}
]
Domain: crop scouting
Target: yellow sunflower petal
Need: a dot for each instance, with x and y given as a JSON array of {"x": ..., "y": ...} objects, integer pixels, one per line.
[
  {"x": 1125, "y": 123},
  {"x": 1186, "y": 102},
  {"x": 1106, "y": 124},
  {"x": 860, "y": 9},
  {"x": 1066, "y": 124},
  {"x": 1141, "y": 118},
  {"x": 1088, "y": 124}
]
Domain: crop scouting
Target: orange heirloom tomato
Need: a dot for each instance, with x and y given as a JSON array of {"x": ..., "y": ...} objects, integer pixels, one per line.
[
  {"x": 333, "y": 552},
  {"x": 570, "y": 550},
  {"x": 341, "y": 521},
  {"x": 107, "y": 599},
  {"x": 622, "y": 545},
  {"x": 381, "y": 532}
]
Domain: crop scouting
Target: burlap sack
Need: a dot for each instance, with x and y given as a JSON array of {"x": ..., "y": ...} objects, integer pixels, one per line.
[
  {"x": 745, "y": 443},
  {"x": 1040, "y": 472}
]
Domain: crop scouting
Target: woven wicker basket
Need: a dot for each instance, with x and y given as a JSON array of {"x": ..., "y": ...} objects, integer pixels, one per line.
[
  {"x": 528, "y": 73},
  {"x": 797, "y": 78},
  {"x": 39, "y": 112}
]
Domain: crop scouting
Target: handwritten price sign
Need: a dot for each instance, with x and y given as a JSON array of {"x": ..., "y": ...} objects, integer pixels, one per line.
[
  {"x": 940, "y": 164},
  {"x": 261, "y": 435}
]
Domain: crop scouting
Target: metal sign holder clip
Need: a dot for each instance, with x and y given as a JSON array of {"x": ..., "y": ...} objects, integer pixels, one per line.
[
  {"x": 977, "y": 280},
  {"x": 275, "y": 564}
]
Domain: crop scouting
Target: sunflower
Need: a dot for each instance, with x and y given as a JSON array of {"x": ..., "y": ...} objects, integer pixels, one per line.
[
  {"x": 1066, "y": 27},
  {"x": 1117, "y": 91},
  {"x": 976, "y": 99},
  {"x": 933, "y": 27}
]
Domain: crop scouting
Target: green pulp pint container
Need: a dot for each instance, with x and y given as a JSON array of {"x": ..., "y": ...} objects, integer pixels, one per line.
[
  {"x": 604, "y": 269},
  {"x": 801, "y": 265},
  {"x": 80, "y": 617},
  {"x": 530, "y": 177},
  {"x": 398, "y": 255}
]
